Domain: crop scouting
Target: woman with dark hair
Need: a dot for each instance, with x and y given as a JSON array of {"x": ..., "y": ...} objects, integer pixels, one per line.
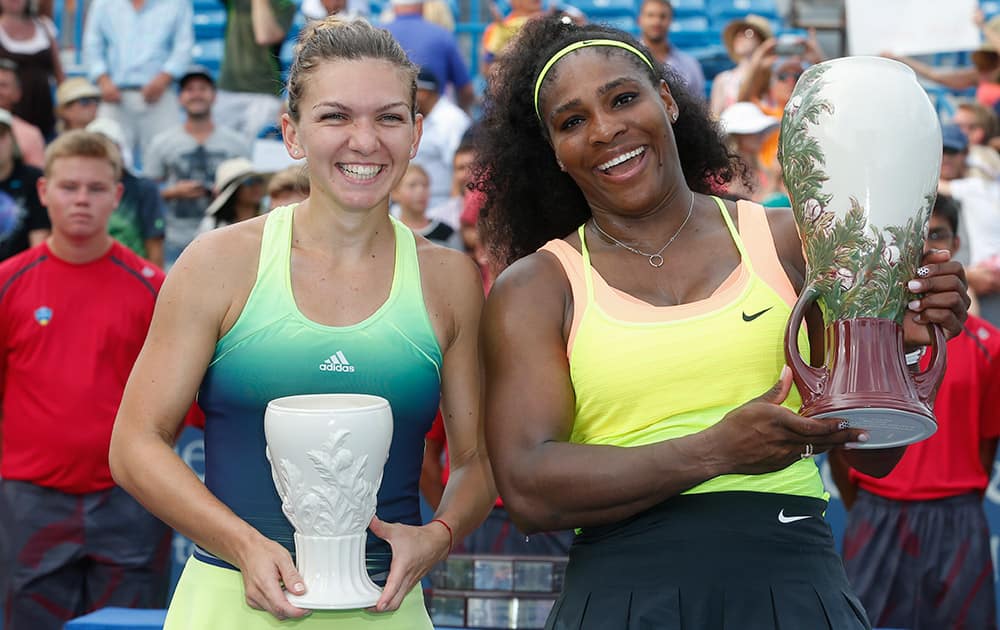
[
  {"x": 636, "y": 388},
  {"x": 29, "y": 40}
]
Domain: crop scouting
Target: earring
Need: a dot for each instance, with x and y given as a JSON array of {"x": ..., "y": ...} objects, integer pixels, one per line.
[
  {"x": 673, "y": 116},
  {"x": 562, "y": 167},
  {"x": 295, "y": 152}
]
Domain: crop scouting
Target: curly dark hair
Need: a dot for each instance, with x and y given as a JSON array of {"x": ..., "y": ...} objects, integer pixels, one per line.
[{"x": 528, "y": 199}]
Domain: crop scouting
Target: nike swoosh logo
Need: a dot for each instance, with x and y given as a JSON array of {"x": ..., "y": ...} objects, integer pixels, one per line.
[
  {"x": 790, "y": 519},
  {"x": 750, "y": 318}
]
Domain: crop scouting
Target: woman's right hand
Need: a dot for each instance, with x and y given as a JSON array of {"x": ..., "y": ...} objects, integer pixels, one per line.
[
  {"x": 761, "y": 436},
  {"x": 266, "y": 567}
]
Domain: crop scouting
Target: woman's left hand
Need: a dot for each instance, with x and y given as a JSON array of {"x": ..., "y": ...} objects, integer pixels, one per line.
[
  {"x": 415, "y": 550},
  {"x": 945, "y": 299}
]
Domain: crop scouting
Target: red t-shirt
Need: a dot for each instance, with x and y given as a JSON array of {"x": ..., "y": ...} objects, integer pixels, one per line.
[
  {"x": 967, "y": 409},
  {"x": 69, "y": 335},
  {"x": 436, "y": 434}
]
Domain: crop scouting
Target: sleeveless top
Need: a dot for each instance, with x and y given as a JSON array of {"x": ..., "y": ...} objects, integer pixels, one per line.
[
  {"x": 273, "y": 350},
  {"x": 645, "y": 373},
  {"x": 36, "y": 72}
]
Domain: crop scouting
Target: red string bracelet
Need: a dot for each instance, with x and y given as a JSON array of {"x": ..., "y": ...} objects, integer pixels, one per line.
[{"x": 451, "y": 534}]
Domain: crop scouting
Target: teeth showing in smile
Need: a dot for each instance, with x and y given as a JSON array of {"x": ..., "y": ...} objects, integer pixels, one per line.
[
  {"x": 360, "y": 171},
  {"x": 621, "y": 158}
]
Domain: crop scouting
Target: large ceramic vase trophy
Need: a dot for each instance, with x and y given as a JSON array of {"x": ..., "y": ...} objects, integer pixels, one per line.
[
  {"x": 327, "y": 452},
  {"x": 860, "y": 150}
]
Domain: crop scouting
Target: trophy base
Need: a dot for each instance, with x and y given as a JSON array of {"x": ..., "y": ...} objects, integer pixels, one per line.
[
  {"x": 333, "y": 568},
  {"x": 887, "y": 428},
  {"x": 318, "y": 603}
]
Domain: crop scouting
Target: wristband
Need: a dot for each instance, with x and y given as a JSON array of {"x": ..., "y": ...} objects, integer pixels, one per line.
[
  {"x": 913, "y": 358},
  {"x": 451, "y": 534}
]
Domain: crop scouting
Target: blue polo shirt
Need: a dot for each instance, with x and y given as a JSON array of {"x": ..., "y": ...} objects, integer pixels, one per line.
[{"x": 432, "y": 47}]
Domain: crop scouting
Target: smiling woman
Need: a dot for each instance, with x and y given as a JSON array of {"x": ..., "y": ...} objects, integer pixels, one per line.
[
  {"x": 633, "y": 350},
  {"x": 253, "y": 311}
]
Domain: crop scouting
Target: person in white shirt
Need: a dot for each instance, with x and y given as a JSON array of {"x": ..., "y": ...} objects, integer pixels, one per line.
[{"x": 444, "y": 125}]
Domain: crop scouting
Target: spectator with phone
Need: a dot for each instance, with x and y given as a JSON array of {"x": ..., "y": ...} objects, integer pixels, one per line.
[{"x": 741, "y": 37}]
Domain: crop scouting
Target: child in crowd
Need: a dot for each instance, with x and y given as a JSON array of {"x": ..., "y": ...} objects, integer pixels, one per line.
[{"x": 411, "y": 196}]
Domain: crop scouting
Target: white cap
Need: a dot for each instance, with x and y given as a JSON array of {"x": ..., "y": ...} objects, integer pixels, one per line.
[
  {"x": 110, "y": 129},
  {"x": 746, "y": 118}
]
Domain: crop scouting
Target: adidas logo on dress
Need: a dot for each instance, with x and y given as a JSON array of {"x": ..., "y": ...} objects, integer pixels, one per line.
[{"x": 336, "y": 363}]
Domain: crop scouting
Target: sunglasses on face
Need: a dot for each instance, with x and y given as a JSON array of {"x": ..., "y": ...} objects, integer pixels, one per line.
[
  {"x": 253, "y": 180},
  {"x": 86, "y": 100},
  {"x": 789, "y": 74}
]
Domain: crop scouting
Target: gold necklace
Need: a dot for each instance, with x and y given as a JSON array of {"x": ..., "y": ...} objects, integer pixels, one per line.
[{"x": 655, "y": 260}]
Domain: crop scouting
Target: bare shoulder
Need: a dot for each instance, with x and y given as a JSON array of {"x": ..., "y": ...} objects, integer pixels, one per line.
[
  {"x": 535, "y": 289},
  {"x": 453, "y": 291}
]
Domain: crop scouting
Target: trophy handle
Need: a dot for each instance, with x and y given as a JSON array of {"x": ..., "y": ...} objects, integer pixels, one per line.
[
  {"x": 929, "y": 380},
  {"x": 808, "y": 379}
]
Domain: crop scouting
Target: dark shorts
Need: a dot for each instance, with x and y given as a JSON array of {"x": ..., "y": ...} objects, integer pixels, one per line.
[
  {"x": 71, "y": 554},
  {"x": 922, "y": 564},
  {"x": 719, "y": 561}
]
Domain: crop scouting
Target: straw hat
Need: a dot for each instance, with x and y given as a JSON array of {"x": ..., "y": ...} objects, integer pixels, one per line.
[
  {"x": 228, "y": 177},
  {"x": 739, "y": 25},
  {"x": 75, "y": 88}
]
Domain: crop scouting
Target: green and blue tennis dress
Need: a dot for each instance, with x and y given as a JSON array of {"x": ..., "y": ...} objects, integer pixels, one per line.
[{"x": 273, "y": 350}]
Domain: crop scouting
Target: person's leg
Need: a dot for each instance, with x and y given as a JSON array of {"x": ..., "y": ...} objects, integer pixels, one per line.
[
  {"x": 261, "y": 112},
  {"x": 879, "y": 559},
  {"x": 126, "y": 114},
  {"x": 229, "y": 111},
  {"x": 45, "y": 580},
  {"x": 128, "y": 550},
  {"x": 162, "y": 115}
]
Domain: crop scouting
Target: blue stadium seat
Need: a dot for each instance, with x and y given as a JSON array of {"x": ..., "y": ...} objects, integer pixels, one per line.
[
  {"x": 990, "y": 8},
  {"x": 208, "y": 53},
  {"x": 695, "y": 39},
  {"x": 614, "y": 8},
  {"x": 625, "y": 23},
  {"x": 760, "y": 7},
  {"x": 209, "y": 24},
  {"x": 688, "y": 7},
  {"x": 695, "y": 23},
  {"x": 201, "y": 6}
]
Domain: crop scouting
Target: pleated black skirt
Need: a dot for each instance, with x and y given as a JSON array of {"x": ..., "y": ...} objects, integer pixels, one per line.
[{"x": 719, "y": 561}]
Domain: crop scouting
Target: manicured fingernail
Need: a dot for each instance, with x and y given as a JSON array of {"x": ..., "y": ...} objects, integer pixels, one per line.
[
  {"x": 843, "y": 424},
  {"x": 863, "y": 437},
  {"x": 923, "y": 272},
  {"x": 299, "y": 587},
  {"x": 914, "y": 285},
  {"x": 914, "y": 305}
]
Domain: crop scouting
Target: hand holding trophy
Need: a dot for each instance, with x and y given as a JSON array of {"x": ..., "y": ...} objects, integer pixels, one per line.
[{"x": 860, "y": 150}]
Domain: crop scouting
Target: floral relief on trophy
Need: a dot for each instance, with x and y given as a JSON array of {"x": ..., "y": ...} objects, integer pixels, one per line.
[
  {"x": 859, "y": 269},
  {"x": 343, "y": 505}
]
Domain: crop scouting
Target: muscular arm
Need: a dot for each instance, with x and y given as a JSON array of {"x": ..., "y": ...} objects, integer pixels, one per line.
[
  {"x": 470, "y": 492},
  {"x": 548, "y": 483}
]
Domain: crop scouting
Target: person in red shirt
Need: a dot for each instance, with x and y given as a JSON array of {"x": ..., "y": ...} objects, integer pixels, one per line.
[
  {"x": 74, "y": 312},
  {"x": 916, "y": 546}
]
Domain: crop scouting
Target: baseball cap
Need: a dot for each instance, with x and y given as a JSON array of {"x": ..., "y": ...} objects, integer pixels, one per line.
[
  {"x": 196, "y": 72},
  {"x": 746, "y": 118},
  {"x": 109, "y": 128},
  {"x": 427, "y": 80},
  {"x": 952, "y": 138}
]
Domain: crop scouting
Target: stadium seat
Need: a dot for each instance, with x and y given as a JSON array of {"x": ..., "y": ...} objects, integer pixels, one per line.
[
  {"x": 209, "y": 24},
  {"x": 688, "y": 7},
  {"x": 625, "y": 23},
  {"x": 689, "y": 23},
  {"x": 208, "y": 53},
  {"x": 705, "y": 38},
  {"x": 597, "y": 8}
]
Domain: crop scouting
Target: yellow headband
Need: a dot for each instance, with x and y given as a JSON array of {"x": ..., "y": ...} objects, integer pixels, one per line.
[{"x": 577, "y": 46}]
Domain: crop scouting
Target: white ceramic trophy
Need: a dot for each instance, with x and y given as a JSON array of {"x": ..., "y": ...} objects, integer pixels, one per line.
[{"x": 327, "y": 452}]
